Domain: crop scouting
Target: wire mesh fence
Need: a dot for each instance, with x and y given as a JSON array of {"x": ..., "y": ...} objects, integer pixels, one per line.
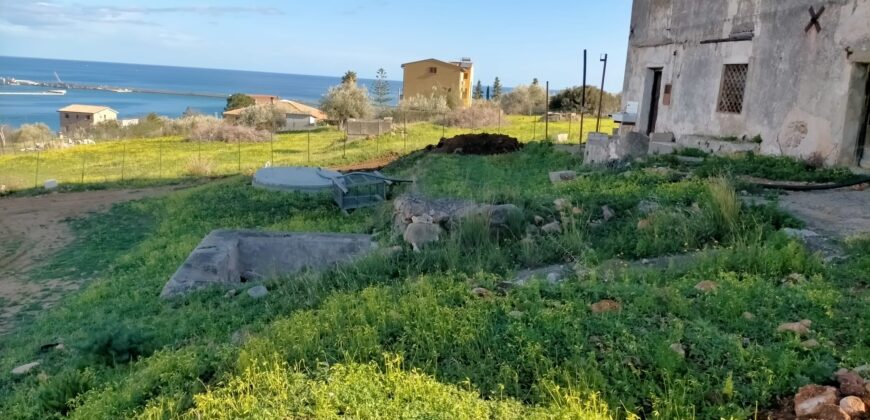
[{"x": 154, "y": 160}]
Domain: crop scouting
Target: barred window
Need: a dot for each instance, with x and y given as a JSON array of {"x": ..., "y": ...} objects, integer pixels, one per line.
[{"x": 732, "y": 88}]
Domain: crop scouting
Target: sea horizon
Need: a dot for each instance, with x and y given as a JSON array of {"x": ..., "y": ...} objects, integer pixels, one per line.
[{"x": 187, "y": 82}]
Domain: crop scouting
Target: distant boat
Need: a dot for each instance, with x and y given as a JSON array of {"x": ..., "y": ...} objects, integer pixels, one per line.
[
  {"x": 121, "y": 90},
  {"x": 57, "y": 92}
]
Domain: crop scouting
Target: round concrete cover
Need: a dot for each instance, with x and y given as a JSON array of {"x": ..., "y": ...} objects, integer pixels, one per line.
[{"x": 295, "y": 178}]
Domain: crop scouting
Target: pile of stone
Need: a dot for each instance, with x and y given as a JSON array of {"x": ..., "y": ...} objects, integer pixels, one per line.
[
  {"x": 848, "y": 401},
  {"x": 423, "y": 221}
]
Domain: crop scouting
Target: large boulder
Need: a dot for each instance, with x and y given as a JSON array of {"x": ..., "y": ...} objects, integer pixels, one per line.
[{"x": 811, "y": 398}]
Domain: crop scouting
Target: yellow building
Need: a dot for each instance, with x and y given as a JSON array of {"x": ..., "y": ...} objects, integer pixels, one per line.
[
  {"x": 427, "y": 76},
  {"x": 76, "y": 116}
]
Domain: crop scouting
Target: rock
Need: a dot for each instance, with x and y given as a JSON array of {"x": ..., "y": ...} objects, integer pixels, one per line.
[
  {"x": 258, "y": 292},
  {"x": 678, "y": 349},
  {"x": 810, "y": 398},
  {"x": 606, "y": 305},
  {"x": 500, "y": 215},
  {"x": 481, "y": 292},
  {"x": 230, "y": 293},
  {"x": 800, "y": 328},
  {"x": 830, "y": 412},
  {"x": 516, "y": 314},
  {"x": 50, "y": 184},
  {"x": 425, "y": 218},
  {"x": 553, "y": 273},
  {"x": 643, "y": 224},
  {"x": 810, "y": 344},
  {"x": 863, "y": 371},
  {"x": 3, "y": 189},
  {"x": 853, "y": 406},
  {"x": 562, "y": 176},
  {"x": 749, "y": 316},
  {"x": 608, "y": 213},
  {"x": 561, "y": 204},
  {"x": 851, "y": 383},
  {"x": 552, "y": 228},
  {"x": 646, "y": 207},
  {"x": 24, "y": 369},
  {"x": 421, "y": 234},
  {"x": 706, "y": 286},
  {"x": 538, "y": 220}
]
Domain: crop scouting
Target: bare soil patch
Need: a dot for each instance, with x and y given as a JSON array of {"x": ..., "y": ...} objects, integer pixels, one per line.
[
  {"x": 32, "y": 229},
  {"x": 368, "y": 165}
]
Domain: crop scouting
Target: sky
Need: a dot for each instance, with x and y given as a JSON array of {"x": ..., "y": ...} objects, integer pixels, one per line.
[{"x": 515, "y": 41}]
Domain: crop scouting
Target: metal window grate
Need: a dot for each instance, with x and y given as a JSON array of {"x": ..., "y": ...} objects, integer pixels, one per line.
[{"x": 733, "y": 87}]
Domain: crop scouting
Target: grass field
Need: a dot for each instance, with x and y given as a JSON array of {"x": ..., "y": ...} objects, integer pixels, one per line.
[
  {"x": 402, "y": 336},
  {"x": 152, "y": 161}
]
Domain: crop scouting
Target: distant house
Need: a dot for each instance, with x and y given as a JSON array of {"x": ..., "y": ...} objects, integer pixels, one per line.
[
  {"x": 80, "y": 116},
  {"x": 297, "y": 115},
  {"x": 263, "y": 99},
  {"x": 427, "y": 76}
]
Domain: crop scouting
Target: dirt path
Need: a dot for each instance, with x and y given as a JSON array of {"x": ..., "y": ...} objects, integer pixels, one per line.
[
  {"x": 31, "y": 230},
  {"x": 836, "y": 213}
]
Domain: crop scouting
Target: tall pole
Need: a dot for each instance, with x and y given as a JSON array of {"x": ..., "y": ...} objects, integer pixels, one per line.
[
  {"x": 583, "y": 97},
  {"x": 601, "y": 94},
  {"x": 547, "y": 112}
]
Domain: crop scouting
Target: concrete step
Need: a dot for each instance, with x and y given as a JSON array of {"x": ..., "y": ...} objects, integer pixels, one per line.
[{"x": 663, "y": 148}]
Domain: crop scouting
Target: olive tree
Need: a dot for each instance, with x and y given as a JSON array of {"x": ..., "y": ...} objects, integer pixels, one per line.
[{"x": 347, "y": 100}]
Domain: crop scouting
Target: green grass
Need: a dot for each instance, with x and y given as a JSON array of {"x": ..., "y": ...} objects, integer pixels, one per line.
[
  {"x": 761, "y": 166},
  {"x": 403, "y": 334},
  {"x": 139, "y": 162}
]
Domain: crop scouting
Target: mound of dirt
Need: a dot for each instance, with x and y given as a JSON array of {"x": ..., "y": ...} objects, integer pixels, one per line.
[{"x": 477, "y": 144}]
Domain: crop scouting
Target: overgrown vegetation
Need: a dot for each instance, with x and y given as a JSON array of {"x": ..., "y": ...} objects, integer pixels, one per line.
[
  {"x": 479, "y": 114},
  {"x": 401, "y": 335}
]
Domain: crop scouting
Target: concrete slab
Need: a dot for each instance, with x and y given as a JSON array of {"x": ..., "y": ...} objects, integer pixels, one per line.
[
  {"x": 232, "y": 257},
  {"x": 295, "y": 178}
]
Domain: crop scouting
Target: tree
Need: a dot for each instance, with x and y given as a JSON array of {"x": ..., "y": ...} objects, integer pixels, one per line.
[
  {"x": 34, "y": 133},
  {"x": 238, "y": 100},
  {"x": 570, "y": 100},
  {"x": 262, "y": 117},
  {"x": 349, "y": 78},
  {"x": 524, "y": 100},
  {"x": 346, "y": 100},
  {"x": 496, "y": 89},
  {"x": 381, "y": 89},
  {"x": 477, "y": 93}
]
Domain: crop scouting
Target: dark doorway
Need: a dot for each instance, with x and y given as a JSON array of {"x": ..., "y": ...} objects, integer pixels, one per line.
[
  {"x": 864, "y": 134},
  {"x": 654, "y": 101}
]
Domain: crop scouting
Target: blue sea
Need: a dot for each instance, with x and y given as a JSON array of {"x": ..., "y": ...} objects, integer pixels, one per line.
[{"x": 16, "y": 110}]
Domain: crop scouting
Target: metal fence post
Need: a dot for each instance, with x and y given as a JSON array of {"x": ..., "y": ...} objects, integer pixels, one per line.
[
  {"x": 547, "y": 114},
  {"x": 239, "y": 157},
  {"x": 570, "y": 120},
  {"x": 344, "y": 147},
  {"x": 82, "y": 180},
  {"x": 160, "y": 158},
  {"x": 309, "y": 146},
  {"x": 123, "y": 159},
  {"x": 404, "y": 132},
  {"x": 36, "y": 175},
  {"x": 272, "y": 148}
]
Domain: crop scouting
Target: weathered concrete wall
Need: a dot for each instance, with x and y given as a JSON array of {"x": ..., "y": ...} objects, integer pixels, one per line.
[
  {"x": 231, "y": 257},
  {"x": 803, "y": 89}
]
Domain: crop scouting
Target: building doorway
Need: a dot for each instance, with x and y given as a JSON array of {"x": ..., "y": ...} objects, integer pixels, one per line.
[
  {"x": 864, "y": 134},
  {"x": 655, "y": 95}
]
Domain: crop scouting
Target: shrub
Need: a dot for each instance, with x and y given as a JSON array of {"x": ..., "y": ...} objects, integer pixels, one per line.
[
  {"x": 570, "y": 100},
  {"x": 59, "y": 394},
  {"x": 238, "y": 100},
  {"x": 262, "y": 117},
  {"x": 724, "y": 202},
  {"x": 422, "y": 107},
  {"x": 524, "y": 100},
  {"x": 119, "y": 344},
  {"x": 214, "y": 130},
  {"x": 480, "y": 114},
  {"x": 38, "y": 133},
  {"x": 199, "y": 166}
]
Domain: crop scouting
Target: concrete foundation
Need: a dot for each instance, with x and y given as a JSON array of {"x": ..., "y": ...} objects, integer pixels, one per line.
[{"x": 232, "y": 257}]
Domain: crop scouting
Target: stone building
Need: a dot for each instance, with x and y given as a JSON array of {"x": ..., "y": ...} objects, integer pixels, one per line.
[
  {"x": 792, "y": 74},
  {"x": 78, "y": 116}
]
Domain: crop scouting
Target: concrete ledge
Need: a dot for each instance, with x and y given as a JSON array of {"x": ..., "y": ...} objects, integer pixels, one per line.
[
  {"x": 660, "y": 148},
  {"x": 232, "y": 257},
  {"x": 716, "y": 146}
]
